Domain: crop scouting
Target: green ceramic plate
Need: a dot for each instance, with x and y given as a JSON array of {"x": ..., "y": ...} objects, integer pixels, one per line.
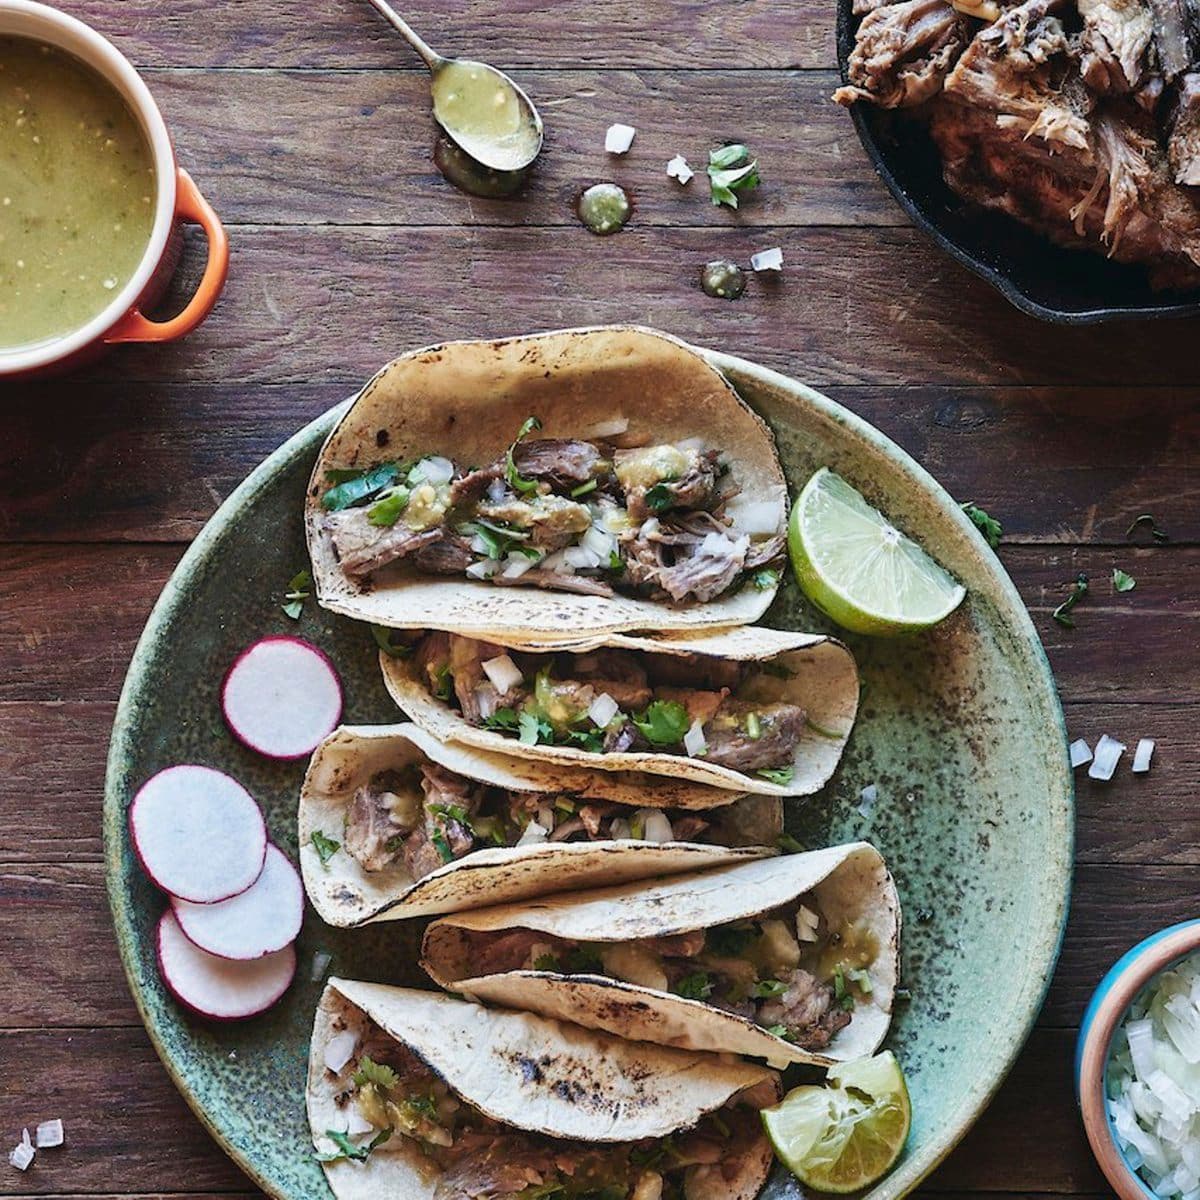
[{"x": 960, "y": 730}]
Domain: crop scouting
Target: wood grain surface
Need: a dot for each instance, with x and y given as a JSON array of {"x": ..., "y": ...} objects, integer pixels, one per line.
[{"x": 306, "y": 127}]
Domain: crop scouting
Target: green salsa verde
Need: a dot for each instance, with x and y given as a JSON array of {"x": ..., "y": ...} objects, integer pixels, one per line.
[{"x": 77, "y": 192}]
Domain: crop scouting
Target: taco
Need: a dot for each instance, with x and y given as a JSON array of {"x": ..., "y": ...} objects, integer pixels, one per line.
[
  {"x": 420, "y": 1095},
  {"x": 395, "y": 824},
  {"x": 563, "y": 484},
  {"x": 752, "y": 709},
  {"x": 791, "y": 959}
]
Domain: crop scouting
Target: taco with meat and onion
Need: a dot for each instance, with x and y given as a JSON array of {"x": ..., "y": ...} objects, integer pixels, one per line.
[
  {"x": 790, "y": 959},
  {"x": 424, "y": 1096},
  {"x": 395, "y": 824},
  {"x": 560, "y": 485},
  {"x": 752, "y": 709}
]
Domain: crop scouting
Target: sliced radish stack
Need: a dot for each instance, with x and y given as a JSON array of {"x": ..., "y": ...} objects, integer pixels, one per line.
[
  {"x": 261, "y": 920},
  {"x": 218, "y": 987},
  {"x": 198, "y": 833},
  {"x": 282, "y": 697}
]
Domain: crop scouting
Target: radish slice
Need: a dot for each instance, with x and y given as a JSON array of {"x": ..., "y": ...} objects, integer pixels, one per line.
[
  {"x": 262, "y": 919},
  {"x": 216, "y": 987},
  {"x": 198, "y": 833},
  {"x": 282, "y": 697}
]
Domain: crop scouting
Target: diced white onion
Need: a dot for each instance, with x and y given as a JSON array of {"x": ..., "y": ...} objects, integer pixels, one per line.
[
  {"x": 22, "y": 1154},
  {"x": 694, "y": 741},
  {"x": 610, "y": 428},
  {"x": 503, "y": 672},
  {"x": 678, "y": 168},
  {"x": 339, "y": 1050},
  {"x": 580, "y": 557},
  {"x": 602, "y": 710},
  {"x": 760, "y": 518},
  {"x": 484, "y": 569},
  {"x": 619, "y": 138},
  {"x": 546, "y": 817},
  {"x": 807, "y": 923},
  {"x": 1142, "y": 755},
  {"x": 867, "y": 798},
  {"x": 433, "y": 470},
  {"x": 50, "y": 1134},
  {"x": 599, "y": 542},
  {"x": 320, "y": 964},
  {"x": 650, "y": 527},
  {"x": 1108, "y": 754},
  {"x": 495, "y": 492},
  {"x": 356, "y": 1123},
  {"x": 620, "y": 829},
  {"x": 515, "y": 565},
  {"x": 478, "y": 545},
  {"x": 658, "y": 828},
  {"x": 692, "y": 445},
  {"x": 767, "y": 260},
  {"x": 557, "y": 563},
  {"x": 533, "y": 835},
  {"x": 488, "y": 702},
  {"x": 1080, "y": 752}
]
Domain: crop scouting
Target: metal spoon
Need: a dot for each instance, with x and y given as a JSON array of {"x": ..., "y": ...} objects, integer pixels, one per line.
[{"x": 480, "y": 108}]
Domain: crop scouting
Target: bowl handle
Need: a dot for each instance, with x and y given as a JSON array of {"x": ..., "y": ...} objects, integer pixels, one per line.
[{"x": 190, "y": 206}]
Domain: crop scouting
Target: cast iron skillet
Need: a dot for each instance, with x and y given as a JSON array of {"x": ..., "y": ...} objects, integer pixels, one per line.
[{"x": 1072, "y": 287}]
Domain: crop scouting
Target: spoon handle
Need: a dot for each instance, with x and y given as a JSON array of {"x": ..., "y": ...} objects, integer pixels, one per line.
[{"x": 414, "y": 39}]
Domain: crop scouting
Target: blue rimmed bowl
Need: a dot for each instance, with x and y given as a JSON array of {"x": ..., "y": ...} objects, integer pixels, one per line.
[{"x": 1108, "y": 1007}]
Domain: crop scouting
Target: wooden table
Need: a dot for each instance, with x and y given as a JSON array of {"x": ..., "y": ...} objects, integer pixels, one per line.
[{"x": 305, "y": 125}]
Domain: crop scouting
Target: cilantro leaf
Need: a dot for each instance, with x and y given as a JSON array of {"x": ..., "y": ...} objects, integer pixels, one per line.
[
  {"x": 347, "y": 1149},
  {"x": 844, "y": 999},
  {"x": 380, "y": 1074},
  {"x": 1157, "y": 534},
  {"x": 359, "y": 488},
  {"x": 516, "y": 480},
  {"x": 1122, "y": 582},
  {"x": 782, "y": 1031},
  {"x": 764, "y": 989},
  {"x": 731, "y": 170},
  {"x": 299, "y": 589},
  {"x": 325, "y": 847},
  {"x": 383, "y": 639},
  {"x": 503, "y": 719},
  {"x": 765, "y": 579},
  {"x": 582, "y": 960},
  {"x": 987, "y": 525},
  {"x": 729, "y": 941},
  {"x": 778, "y": 775},
  {"x": 547, "y": 962},
  {"x": 1079, "y": 589},
  {"x": 696, "y": 986},
  {"x": 659, "y": 497},
  {"x": 663, "y": 723},
  {"x": 386, "y": 512},
  {"x": 442, "y": 846},
  {"x": 534, "y": 729}
]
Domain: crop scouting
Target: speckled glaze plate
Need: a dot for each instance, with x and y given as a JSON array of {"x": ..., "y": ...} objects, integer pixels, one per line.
[{"x": 960, "y": 730}]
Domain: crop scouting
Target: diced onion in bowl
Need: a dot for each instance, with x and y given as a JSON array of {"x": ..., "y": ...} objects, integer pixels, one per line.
[
  {"x": 1108, "y": 754},
  {"x": 433, "y": 470},
  {"x": 503, "y": 672},
  {"x": 602, "y": 710},
  {"x": 658, "y": 828},
  {"x": 339, "y": 1050},
  {"x": 694, "y": 741},
  {"x": 483, "y": 570},
  {"x": 534, "y": 834}
]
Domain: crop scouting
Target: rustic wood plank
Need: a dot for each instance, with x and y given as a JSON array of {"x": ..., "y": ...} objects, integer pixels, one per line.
[
  {"x": 84, "y": 1075},
  {"x": 107, "y": 462},
  {"x": 522, "y": 33},
  {"x": 52, "y": 762},
  {"x": 357, "y": 147},
  {"x": 50, "y": 648},
  {"x": 882, "y": 306}
]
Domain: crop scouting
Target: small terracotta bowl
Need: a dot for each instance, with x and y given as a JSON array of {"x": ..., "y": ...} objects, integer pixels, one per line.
[{"x": 1107, "y": 1010}]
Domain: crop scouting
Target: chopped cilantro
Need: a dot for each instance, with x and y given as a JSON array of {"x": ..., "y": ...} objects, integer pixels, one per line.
[
  {"x": 359, "y": 487},
  {"x": 696, "y": 986},
  {"x": 442, "y": 681},
  {"x": 1122, "y": 582},
  {"x": 534, "y": 729},
  {"x": 588, "y": 739},
  {"x": 764, "y": 989},
  {"x": 1157, "y": 534},
  {"x": 789, "y": 845},
  {"x": 659, "y": 498},
  {"x": 731, "y": 170},
  {"x": 383, "y": 639},
  {"x": 781, "y": 1031},
  {"x": 380, "y": 1074},
  {"x": 547, "y": 962},
  {"x": 585, "y": 489},
  {"x": 387, "y": 511},
  {"x": 987, "y": 525},
  {"x": 504, "y": 719},
  {"x": 1079, "y": 589},
  {"x": 582, "y": 960},
  {"x": 299, "y": 589},
  {"x": 498, "y": 539},
  {"x": 615, "y": 562},
  {"x": 663, "y": 723},
  {"x": 516, "y": 480},
  {"x": 325, "y": 847},
  {"x": 424, "y": 1106},
  {"x": 347, "y": 1149},
  {"x": 455, "y": 812},
  {"x": 778, "y": 775},
  {"x": 765, "y": 579},
  {"x": 841, "y": 993},
  {"x": 729, "y": 941},
  {"x": 442, "y": 846}
]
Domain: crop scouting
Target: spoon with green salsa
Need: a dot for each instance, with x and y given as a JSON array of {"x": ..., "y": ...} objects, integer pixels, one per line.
[{"x": 479, "y": 108}]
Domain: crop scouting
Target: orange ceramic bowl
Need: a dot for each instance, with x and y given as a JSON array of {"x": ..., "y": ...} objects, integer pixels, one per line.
[{"x": 178, "y": 200}]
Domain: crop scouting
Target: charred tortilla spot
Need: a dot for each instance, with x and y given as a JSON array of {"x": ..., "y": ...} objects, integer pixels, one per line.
[
  {"x": 382, "y": 437},
  {"x": 530, "y": 1071}
]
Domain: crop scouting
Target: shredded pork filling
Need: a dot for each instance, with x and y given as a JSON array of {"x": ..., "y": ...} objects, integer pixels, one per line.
[
  {"x": 608, "y": 701},
  {"x": 479, "y": 1158},
  {"x": 555, "y": 513},
  {"x": 787, "y": 971}
]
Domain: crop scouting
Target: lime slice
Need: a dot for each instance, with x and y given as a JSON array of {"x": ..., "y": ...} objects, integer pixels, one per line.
[
  {"x": 845, "y": 1136},
  {"x": 860, "y": 570}
]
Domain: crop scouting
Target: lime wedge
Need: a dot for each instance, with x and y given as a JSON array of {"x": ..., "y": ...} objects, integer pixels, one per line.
[
  {"x": 860, "y": 570},
  {"x": 845, "y": 1136}
]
